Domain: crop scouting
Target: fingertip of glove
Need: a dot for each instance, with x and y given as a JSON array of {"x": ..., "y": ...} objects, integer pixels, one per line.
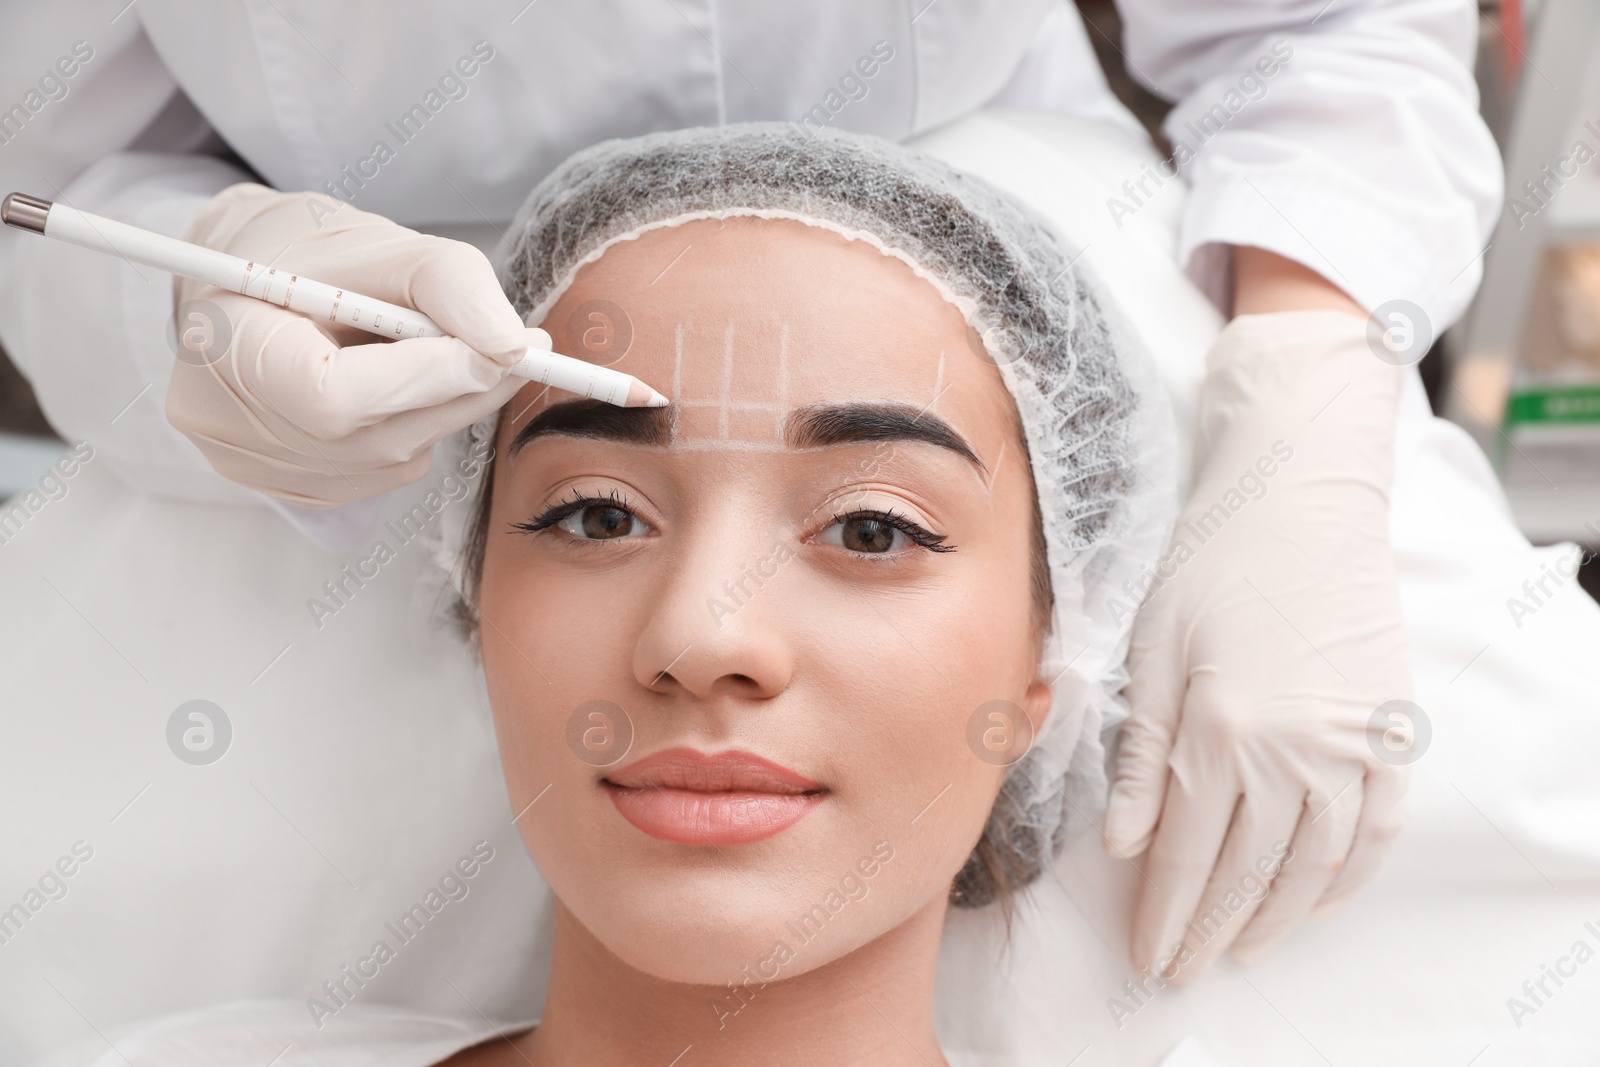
[
  {"x": 508, "y": 355},
  {"x": 1245, "y": 953},
  {"x": 1125, "y": 833},
  {"x": 1123, "y": 844},
  {"x": 1325, "y": 909},
  {"x": 490, "y": 326},
  {"x": 1149, "y": 957},
  {"x": 504, "y": 346}
]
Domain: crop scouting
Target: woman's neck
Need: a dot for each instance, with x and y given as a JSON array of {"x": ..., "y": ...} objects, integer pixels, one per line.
[{"x": 874, "y": 1005}]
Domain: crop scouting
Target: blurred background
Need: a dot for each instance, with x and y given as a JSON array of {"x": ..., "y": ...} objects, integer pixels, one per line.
[{"x": 1521, "y": 371}]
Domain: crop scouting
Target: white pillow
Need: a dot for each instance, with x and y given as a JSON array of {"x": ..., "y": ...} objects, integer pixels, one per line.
[{"x": 361, "y": 769}]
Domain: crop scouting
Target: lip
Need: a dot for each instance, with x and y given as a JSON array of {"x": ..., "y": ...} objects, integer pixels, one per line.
[{"x": 693, "y": 798}]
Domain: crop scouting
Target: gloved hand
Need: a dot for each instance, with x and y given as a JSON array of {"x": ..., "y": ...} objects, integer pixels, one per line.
[
  {"x": 318, "y": 414},
  {"x": 1272, "y": 633}
]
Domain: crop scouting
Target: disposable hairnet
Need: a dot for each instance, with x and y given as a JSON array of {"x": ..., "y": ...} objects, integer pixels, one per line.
[{"x": 1097, "y": 430}]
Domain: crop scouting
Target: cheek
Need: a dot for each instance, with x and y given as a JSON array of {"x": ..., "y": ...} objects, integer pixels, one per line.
[
  {"x": 510, "y": 637},
  {"x": 551, "y": 652},
  {"x": 549, "y": 658},
  {"x": 910, "y": 778},
  {"x": 914, "y": 683}
]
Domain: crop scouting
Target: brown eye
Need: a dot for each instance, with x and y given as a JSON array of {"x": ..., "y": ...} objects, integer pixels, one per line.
[
  {"x": 601, "y": 522},
  {"x": 867, "y": 535},
  {"x": 588, "y": 518},
  {"x": 874, "y": 533}
]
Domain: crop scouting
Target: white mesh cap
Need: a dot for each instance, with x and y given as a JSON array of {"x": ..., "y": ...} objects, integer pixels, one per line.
[{"x": 1098, "y": 432}]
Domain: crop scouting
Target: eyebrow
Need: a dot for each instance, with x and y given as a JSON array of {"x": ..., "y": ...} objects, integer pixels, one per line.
[{"x": 812, "y": 426}]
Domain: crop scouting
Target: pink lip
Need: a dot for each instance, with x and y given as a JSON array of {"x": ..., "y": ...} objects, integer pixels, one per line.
[{"x": 692, "y": 798}]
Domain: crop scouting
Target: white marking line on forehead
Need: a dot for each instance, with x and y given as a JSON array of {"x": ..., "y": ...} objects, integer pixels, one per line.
[
  {"x": 783, "y": 381},
  {"x": 727, "y": 381},
  {"x": 723, "y": 401},
  {"x": 988, "y": 485},
  {"x": 677, "y": 371},
  {"x": 938, "y": 390},
  {"x": 939, "y": 387}
]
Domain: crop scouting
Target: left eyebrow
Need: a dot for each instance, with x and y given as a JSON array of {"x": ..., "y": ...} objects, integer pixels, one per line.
[
  {"x": 825, "y": 425},
  {"x": 812, "y": 426}
]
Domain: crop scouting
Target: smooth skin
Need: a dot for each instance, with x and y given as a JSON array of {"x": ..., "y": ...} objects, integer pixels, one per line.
[
  {"x": 1265, "y": 282},
  {"x": 858, "y": 662}
]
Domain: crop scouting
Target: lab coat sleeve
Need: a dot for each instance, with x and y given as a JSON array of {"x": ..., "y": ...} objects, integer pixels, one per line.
[
  {"x": 1344, "y": 135},
  {"x": 90, "y": 331}
]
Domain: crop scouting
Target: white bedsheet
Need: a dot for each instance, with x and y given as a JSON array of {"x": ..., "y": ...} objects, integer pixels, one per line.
[{"x": 362, "y": 765}]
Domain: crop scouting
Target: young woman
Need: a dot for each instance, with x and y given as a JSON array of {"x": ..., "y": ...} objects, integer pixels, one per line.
[
  {"x": 786, "y": 669},
  {"x": 762, "y": 662}
]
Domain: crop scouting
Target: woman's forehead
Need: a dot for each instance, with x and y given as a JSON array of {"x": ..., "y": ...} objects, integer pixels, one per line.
[{"x": 741, "y": 321}]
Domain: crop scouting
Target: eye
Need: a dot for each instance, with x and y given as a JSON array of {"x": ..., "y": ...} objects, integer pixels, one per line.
[
  {"x": 589, "y": 518},
  {"x": 880, "y": 533}
]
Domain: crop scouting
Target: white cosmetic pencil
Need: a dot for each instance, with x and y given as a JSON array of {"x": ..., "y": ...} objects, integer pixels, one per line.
[{"x": 305, "y": 295}]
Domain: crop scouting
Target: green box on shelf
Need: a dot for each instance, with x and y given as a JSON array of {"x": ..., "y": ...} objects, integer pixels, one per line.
[{"x": 1553, "y": 405}]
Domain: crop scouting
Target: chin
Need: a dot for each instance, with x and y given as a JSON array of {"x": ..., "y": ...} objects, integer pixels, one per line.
[{"x": 710, "y": 928}]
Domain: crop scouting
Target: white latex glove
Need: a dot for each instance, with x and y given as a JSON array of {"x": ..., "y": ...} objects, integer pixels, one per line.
[
  {"x": 1257, "y": 665},
  {"x": 317, "y": 414}
]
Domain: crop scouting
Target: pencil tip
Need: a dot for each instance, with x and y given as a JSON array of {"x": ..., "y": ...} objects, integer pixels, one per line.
[{"x": 641, "y": 395}]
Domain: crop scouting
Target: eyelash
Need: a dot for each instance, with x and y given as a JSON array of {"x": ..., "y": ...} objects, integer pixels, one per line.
[
  {"x": 555, "y": 513},
  {"x": 931, "y": 541}
]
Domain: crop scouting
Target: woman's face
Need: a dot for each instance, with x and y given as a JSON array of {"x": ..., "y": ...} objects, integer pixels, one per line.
[{"x": 755, "y": 658}]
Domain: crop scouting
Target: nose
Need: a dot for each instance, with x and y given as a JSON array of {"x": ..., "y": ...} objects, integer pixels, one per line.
[{"x": 717, "y": 625}]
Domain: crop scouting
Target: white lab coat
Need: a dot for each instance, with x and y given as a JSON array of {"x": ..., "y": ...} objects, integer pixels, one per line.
[{"x": 1360, "y": 154}]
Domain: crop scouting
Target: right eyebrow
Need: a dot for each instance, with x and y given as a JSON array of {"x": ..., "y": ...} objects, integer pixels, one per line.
[{"x": 598, "y": 420}]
